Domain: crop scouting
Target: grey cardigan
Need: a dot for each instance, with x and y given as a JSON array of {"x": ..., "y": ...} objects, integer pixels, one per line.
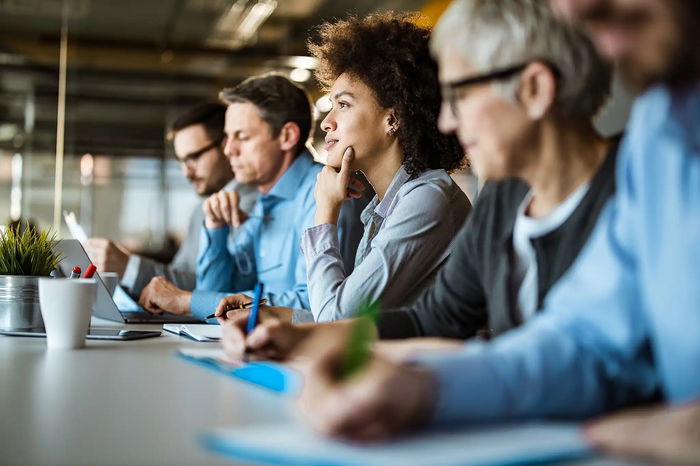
[{"x": 471, "y": 291}]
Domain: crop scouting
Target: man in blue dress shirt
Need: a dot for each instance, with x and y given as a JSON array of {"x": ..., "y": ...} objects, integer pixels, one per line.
[
  {"x": 268, "y": 121},
  {"x": 624, "y": 324}
]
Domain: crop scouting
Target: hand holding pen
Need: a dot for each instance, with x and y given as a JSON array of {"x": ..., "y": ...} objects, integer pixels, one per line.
[
  {"x": 239, "y": 325},
  {"x": 360, "y": 339},
  {"x": 232, "y": 303},
  {"x": 352, "y": 393},
  {"x": 235, "y": 330}
]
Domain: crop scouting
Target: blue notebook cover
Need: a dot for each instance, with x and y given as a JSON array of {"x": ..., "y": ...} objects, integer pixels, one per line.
[
  {"x": 269, "y": 375},
  {"x": 288, "y": 443}
]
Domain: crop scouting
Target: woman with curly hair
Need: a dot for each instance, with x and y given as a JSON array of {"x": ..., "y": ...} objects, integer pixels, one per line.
[
  {"x": 386, "y": 98},
  {"x": 383, "y": 85}
]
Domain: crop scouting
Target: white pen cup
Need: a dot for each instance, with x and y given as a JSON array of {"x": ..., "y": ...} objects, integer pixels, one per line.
[
  {"x": 66, "y": 307},
  {"x": 110, "y": 279}
]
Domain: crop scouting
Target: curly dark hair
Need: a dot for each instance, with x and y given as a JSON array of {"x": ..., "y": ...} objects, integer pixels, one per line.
[{"x": 389, "y": 53}]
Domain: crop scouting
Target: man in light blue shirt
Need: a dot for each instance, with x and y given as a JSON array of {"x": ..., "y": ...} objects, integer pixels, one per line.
[
  {"x": 268, "y": 121},
  {"x": 624, "y": 324},
  {"x": 265, "y": 250}
]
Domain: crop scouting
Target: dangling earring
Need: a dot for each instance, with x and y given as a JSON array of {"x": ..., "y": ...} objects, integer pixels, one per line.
[{"x": 392, "y": 131}]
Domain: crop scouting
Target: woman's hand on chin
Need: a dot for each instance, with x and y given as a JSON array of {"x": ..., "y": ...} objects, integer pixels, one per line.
[{"x": 333, "y": 187}]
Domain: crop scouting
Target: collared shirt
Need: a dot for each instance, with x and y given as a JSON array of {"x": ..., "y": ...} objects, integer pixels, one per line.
[
  {"x": 406, "y": 238},
  {"x": 265, "y": 249},
  {"x": 625, "y": 320},
  {"x": 181, "y": 271}
]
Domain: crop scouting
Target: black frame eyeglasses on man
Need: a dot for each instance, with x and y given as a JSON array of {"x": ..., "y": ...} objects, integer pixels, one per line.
[{"x": 192, "y": 157}]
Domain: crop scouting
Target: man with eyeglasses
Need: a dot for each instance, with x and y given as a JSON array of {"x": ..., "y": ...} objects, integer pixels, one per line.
[{"x": 198, "y": 137}]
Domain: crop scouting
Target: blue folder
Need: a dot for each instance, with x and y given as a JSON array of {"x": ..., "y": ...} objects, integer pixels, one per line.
[{"x": 269, "y": 375}]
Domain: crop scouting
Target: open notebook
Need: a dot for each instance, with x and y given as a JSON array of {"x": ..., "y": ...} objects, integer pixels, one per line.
[
  {"x": 198, "y": 332},
  {"x": 497, "y": 445}
]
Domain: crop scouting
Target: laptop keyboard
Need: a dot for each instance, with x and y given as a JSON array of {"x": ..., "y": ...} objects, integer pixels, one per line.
[{"x": 148, "y": 318}]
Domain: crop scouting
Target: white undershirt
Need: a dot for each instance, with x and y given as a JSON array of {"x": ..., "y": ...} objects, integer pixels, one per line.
[{"x": 523, "y": 281}]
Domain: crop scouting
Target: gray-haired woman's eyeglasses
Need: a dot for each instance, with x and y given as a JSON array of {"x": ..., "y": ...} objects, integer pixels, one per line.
[{"x": 450, "y": 94}]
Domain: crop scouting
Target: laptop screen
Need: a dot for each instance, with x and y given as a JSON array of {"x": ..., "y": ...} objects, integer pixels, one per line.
[{"x": 75, "y": 255}]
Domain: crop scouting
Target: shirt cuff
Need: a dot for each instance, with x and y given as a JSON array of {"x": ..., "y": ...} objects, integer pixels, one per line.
[
  {"x": 465, "y": 389},
  {"x": 302, "y": 315},
  {"x": 203, "y": 303},
  {"x": 214, "y": 241},
  {"x": 131, "y": 272},
  {"x": 316, "y": 240}
]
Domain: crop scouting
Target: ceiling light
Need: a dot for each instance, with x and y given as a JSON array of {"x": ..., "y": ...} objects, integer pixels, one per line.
[
  {"x": 257, "y": 15},
  {"x": 240, "y": 22},
  {"x": 8, "y": 131},
  {"x": 300, "y": 61},
  {"x": 300, "y": 75},
  {"x": 323, "y": 104}
]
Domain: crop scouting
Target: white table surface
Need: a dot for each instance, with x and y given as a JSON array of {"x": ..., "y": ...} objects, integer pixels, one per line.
[
  {"x": 124, "y": 403},
  {"x": 118, "y": 402}
]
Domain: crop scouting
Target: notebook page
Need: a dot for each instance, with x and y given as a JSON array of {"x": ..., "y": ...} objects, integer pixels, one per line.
[
  {"x": 202, "y": 332},
  {"x": 510, "y": 444}
]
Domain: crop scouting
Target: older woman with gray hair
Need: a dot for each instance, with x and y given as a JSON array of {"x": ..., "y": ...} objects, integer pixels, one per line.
[{"x": 520, "y": 89}]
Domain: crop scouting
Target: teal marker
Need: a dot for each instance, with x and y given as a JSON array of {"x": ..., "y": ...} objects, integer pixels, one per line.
[{"x": 360, "y": 339}]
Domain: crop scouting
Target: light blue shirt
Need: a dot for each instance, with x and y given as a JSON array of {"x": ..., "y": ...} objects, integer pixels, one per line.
[
  {"x": 624, "y": 322},
  {"x": 266, "y": 248},
  {"x": 406, "y": 239}
]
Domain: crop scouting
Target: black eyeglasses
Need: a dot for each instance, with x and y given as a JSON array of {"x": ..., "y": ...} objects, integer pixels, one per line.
[
  {"x": 449, "y": 90},
  {"x": 192, "y": 157}
]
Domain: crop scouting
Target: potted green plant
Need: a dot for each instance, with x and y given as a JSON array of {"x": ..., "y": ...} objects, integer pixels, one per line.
[{"x": 25, "y": 256}]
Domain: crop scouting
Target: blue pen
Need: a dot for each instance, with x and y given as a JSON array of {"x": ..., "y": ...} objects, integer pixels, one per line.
[{"x": 253, "y": 316}]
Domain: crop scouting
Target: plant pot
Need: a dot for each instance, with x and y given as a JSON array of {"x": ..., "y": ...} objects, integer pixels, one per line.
[{"x": 19, "y": 303}]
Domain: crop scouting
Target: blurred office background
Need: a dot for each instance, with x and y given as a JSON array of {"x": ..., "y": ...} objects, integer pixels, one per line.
[{"x": 130, "y": 66}]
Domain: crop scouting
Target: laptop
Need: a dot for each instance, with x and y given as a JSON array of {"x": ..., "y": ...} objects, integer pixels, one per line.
[{"x": 128, "y": 310}]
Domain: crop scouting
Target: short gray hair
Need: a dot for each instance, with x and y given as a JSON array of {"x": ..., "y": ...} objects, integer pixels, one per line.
[{"x": 493, "y": 34}]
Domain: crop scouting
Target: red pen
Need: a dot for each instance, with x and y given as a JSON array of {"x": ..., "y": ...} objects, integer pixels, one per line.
[
  {"x": 90, "y": 271},
  {"x": 75, "y": 273}
]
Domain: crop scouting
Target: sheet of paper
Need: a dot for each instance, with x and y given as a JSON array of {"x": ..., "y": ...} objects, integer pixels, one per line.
[
  {"x": 203, "y": 331},
  {"x": 510, "y": 444},
  {"x": 199, "y": 332},
  {"x": 74, "y": 227},
  {"x": 172, "y": 328}
]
